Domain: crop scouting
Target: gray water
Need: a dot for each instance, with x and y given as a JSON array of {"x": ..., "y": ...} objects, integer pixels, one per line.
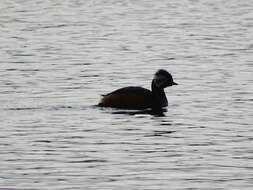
[{"x": 58, "y": 57}]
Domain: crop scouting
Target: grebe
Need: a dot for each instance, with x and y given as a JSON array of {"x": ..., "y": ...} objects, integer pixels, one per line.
[{"x": 138, "y": 98}]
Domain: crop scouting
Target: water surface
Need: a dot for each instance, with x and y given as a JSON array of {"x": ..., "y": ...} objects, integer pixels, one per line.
[{"x": 57, "y": 57}]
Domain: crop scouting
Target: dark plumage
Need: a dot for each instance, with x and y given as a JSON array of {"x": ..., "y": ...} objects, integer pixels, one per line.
[{"x": 138, "y": 97}]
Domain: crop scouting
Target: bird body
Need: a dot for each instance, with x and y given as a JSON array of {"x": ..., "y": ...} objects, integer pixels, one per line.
[{"x": 134, "y": 97}]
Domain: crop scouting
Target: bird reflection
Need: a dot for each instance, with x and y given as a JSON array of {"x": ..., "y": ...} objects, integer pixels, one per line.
[{"x": 156, "y": 112}]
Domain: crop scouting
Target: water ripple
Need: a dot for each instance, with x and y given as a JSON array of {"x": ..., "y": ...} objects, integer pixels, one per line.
[{"x": 58, "y": 57}]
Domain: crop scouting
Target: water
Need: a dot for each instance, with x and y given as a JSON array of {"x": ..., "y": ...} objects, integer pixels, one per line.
[{"x": 57, "y": 57}]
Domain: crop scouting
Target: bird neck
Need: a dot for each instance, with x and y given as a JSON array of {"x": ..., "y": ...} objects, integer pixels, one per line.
[{"x": 159, "y": 95}]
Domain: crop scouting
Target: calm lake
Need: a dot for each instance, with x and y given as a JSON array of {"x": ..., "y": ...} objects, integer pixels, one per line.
[{"x": 59, "y": 56}]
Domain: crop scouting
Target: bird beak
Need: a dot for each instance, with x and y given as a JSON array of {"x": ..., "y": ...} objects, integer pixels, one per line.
[{"x": 174, "y": 83}]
